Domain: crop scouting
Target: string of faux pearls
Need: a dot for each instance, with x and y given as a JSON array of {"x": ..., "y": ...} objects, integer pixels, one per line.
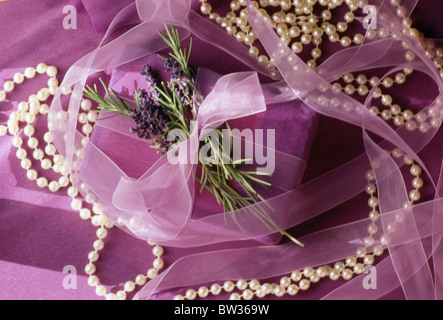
[
  {"x": 298, "y": 26},
  {"x": 27, "y": 113},
  {"x": 295, "y": 23},
  {"x": 302, "y": 279}
]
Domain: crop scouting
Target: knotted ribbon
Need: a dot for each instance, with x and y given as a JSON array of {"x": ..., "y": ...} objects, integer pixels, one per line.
[{"x": 163, "y": 197}]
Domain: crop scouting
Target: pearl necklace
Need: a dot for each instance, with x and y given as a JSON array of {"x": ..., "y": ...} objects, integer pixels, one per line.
[
  {"x": 27, "y": 113},
  {"x": 353, "y": 265},
  {"x": 298, "y": 26}
]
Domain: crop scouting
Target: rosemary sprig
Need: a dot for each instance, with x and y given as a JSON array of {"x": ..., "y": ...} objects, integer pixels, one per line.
[
  {"x": 111, "y": 104},
  {"x": 172, "y": 39}
]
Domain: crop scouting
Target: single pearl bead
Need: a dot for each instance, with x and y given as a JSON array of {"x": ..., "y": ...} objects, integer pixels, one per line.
[
  {"x": 9, "y": 86},
  {"x": 373, "y": 202},
  {"x": 100, "y": 291},
  {"x": 90, "y": 268},
  {"x": 351, "y": 261},
  {"x": 17, "y": 142},
  {"x": 349, "y": 89},
  {"x": 279, "y": 291},
  {"x": 92, "y": 280},
  {"x": 98, "y": 208},
  {"x": 54, "y": 186},
  {"x": 72, "y": 191},
  {"x": 411, "y": 125},
  {"x": 21, "y": 154},
  {"x": 13, "y": 129},
  {"x": 93, "y": 256},
  {"x": 31, "y": 174},
  {"x": 235, "y": 296},
  {"x": 415, "y": 170},
  {"x": 254, "y": 284},
  {"x": 29, "y": 130},
  {"x": 191, "y": 294},
  {"x": 417, "y": 182},
  {"x": 296, "y": 275},
  {"x": 38, "y": 154},
  {"x": 378, "y": 250},
  {"x": 42, "y": 182},
  {"x": 358, "y": 268},
  {"x": 372, "y": 229},
  {"x": 345, "y": 41},
  {"x": 347, "y": 274},
  {"x": 86, "y": 104},
  {"x": 111, "y": 296},
  {"x": 46, "y": 164},
  {"x": 41, "y": 68},
  {"x": 98, "y": 244},
  {"x": 18, "y": 78},
  {"x": 121, "y": 295},
  {"x": 152, "y": 273},
  {"x": 87, "y": 129},
  {"x": 140, "y": 280},
  {"x": 2, "y": 96},
  {"x": 292, "y": 290},
  {"x": 3, "y": 130},
  {"x": 266, "y": 288},
  {"x": 157, "y": 251},
  {"x": 215, "y": 289},
  {"x": 423, "y": 127},
  {"x": 29, "y": 73},
  {"x": 304, "y": 284},
  {"x": 129, "y": 286},
  {"x": 228, "y": 286},
  {"x": 50, "y": 149},
  {"x": 43, "y": 94},
  {"x": 85, "y": 214},
  {"x": 206, "y": 8},
  {"x": 53, "y": 82},
  {"x": 101, "y": 233},
  {"x": 339, "y": 266},
  {"x": 203, "y": 292},
  {"x": 371, "y": 188},
  {"x": 92, "y": 116},
  {"x": 285, "y": 282},
  {"x": 368, "y": 260},
  {"x": 26, "y": 164},
  {"x": 307, "y": 272},
  {"x": 51, "y": 71},
  {"x": 360, "y": 252},
  {"x": 65, "y": 90},
  {"x": 76, "y": 204},
  {"x": 44, "y": 109},
  {"x": 158, "y": 263},
  {"x": 414, "y": 195}
]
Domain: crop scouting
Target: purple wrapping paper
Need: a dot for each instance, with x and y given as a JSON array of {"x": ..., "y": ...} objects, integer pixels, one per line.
[{"x": 40, "y": 234}]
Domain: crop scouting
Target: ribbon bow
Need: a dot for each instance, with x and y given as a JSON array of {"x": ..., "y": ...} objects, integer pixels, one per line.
[{"x": 161, "y": 201}]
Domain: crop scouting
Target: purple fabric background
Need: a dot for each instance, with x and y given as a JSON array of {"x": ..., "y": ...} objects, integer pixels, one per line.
[{"x": 39, "y": 232}]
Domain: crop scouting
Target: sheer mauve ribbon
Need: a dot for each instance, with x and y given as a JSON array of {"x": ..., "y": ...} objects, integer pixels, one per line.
[{"x": 407, "y": 265}]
